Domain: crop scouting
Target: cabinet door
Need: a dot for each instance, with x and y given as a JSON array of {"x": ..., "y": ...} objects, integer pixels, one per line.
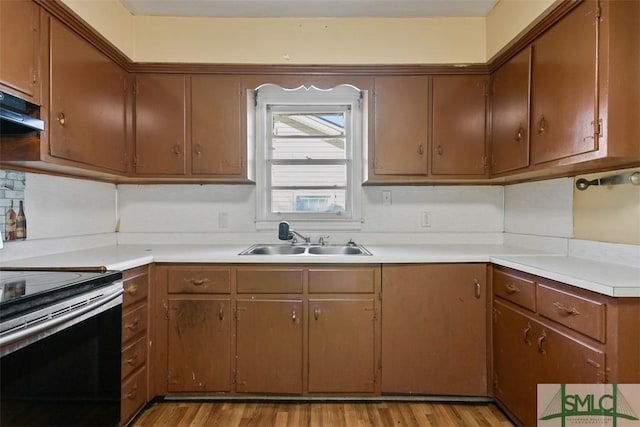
[
  {"x": 216, "y": 126},
  {"x": 269, "y": 346},
  {"x": 87, "y": 122},
  {"x": 459, "y": 125},
  {"x": 401, "y": 125},
  {"x": 434, "y": 329},
  {"x": 510, "y": 114},
  {"x": 514, "y": 360},
  {"x": 563, "y": 86},
  {"x": 341, "y": 345},
  {"x": 160, "y": 124},
  {"x": 19, "y": 48},
  {"x": 199, "y": 345}
]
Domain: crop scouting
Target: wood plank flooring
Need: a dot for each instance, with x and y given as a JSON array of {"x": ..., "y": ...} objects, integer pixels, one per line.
[{"x": 316, "y": 414}]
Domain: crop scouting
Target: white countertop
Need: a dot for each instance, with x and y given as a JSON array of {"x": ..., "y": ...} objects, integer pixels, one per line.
[{"x": 605, "y": 278}]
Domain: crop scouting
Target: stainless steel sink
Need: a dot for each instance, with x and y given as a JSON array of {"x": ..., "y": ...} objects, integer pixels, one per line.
[
  {"x": 338, "y": 250},
  {"x": 288, "y": 249},
  {"x": 274, "y": 250}
]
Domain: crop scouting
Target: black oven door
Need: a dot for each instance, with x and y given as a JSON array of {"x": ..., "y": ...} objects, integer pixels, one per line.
[{"x": 69, "y": 378}]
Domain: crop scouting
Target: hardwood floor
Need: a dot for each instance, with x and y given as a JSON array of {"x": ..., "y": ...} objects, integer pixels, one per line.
[{"x": 333, "y": 414}]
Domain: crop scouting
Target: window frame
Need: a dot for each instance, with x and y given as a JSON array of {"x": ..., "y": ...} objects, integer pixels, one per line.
[{"x": 270, "y": 99}]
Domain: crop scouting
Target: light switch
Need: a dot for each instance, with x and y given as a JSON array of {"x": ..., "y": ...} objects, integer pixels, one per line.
[{"x": 425, "y": 219}]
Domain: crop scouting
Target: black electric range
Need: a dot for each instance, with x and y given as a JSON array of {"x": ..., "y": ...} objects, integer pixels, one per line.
[{"x": 28, "y": 290}]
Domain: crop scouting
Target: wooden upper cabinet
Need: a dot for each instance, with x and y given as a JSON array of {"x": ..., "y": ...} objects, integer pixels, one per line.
[
  {"x": 563, "y": 98},
  {"x": 216, "y": 132},
  {"x": 87, "y": 112},
  {"x": 20, "y": 49},
  {"x": 401, "y": 126},
  {"x": 160, "y": 124},
  {"x": 459, "y": 125},
  {"x": 510, "y": 114}
]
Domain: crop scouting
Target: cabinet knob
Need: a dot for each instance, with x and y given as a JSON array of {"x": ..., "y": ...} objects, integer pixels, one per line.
[
  {"x": 177, "y": 150},
  {"x": 519, "y": 134},
  {"x": 421, "y": 149},
  {"x": 221, "y": 312},
  {"x": 294, "y": 315},
  {"x": 61, "y": 119},
  {"x": 198, "y": 150},
  {"x": 478, "y": 288},
  {"x": 133, "y": 325},
  {"x": 133, "y": 393},
  {"x": 316, "y": 313},
  {"x": 439, "y": 150},
  {"x": 542, "y": 125}
]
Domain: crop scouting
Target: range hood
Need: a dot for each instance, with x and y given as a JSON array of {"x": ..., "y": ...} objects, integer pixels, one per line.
[{"x": 15, "y": 117}]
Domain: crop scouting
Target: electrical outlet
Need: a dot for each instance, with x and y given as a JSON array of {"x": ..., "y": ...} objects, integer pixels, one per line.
[
  {"x": 223, "y": 220},
  {"x": 425, "y": 219},
  {"x": 386, "y": 197}
]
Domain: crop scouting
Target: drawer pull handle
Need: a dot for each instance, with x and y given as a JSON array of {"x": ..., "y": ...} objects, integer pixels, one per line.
[
  {"x": 511, "y": 289},
  {"x": 133, "y": 325},
  {"x": 439, "y": 150},
  {"x": 62, "y": 120},
  {"x": 132, "y": 289},
  {"x": 197, "y": 282},
  {"x": 133, "y": 393},
  {"x": 541, "y": 339},
  {"x": 316, "y": 313},
  {"x": 294, "y": 316},
  {"x": 133, "y": 359},
  {"x": 478, "y": 289},
  {"x": 221, "y": 312},
  {"x": 563, "y": 309},
  {"x": 421, "y": 149},
  {"x": 519, "y": 134},
  {"x": 527, "y": 330}
]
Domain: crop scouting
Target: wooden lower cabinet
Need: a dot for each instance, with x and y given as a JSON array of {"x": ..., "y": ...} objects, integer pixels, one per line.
[
  {"x": 135, "y": 342},
  {"x": 199, "y": 339},
  {"x": 269, "y": 346},
  {"x": 434, "y": 329},
  {"x": 342, "y": 345},
  {"x": 558, "y": 334}
]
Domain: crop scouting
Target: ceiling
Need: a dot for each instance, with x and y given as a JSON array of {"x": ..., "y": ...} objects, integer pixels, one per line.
[{"x": 311, "y": 8}]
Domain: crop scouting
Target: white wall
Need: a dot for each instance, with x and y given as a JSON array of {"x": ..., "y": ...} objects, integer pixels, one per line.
[
  {"x": 64, "y": 214},
  {"x": 539, "y": 214},
  {"x": 191, "y": 213}
]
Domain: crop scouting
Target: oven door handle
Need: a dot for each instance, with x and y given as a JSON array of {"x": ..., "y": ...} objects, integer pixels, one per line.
[{"x": 51, "y": 323}]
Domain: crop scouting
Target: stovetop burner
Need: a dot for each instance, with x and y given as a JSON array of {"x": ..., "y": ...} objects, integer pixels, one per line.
[{"x": 22, "y": 291}]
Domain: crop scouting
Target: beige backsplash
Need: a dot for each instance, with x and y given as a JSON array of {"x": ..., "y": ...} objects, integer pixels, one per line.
[{"x": 607, "y": 213}]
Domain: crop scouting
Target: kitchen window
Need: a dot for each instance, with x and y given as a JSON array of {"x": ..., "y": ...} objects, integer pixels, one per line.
[{"x": 309, "y": 156}]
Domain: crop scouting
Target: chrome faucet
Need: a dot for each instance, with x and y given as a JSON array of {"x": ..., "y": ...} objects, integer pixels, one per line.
[{"x": 285, "y": 232}]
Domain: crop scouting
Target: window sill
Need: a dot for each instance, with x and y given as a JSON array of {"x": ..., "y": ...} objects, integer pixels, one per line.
[{"x": 306, "y": 225}]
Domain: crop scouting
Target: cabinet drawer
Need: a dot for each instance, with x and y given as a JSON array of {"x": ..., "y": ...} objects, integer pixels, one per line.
[
  {"x": 135, "y": 289},
  {"x": 134, "y": 323},
  {"x": 194, "y": 281},
  {"x": 342, "y": 280},
  {"x": 133, "y": 357},
  {"x": 576, "y": 312},
  {"x": 267, "y": 281},
  {"x": 134, "y": 395},
  {"x": 515, "y": 288}
]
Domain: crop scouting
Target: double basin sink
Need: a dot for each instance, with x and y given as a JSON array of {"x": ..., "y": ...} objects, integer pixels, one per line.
[{"x": 289, "y": 249}]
